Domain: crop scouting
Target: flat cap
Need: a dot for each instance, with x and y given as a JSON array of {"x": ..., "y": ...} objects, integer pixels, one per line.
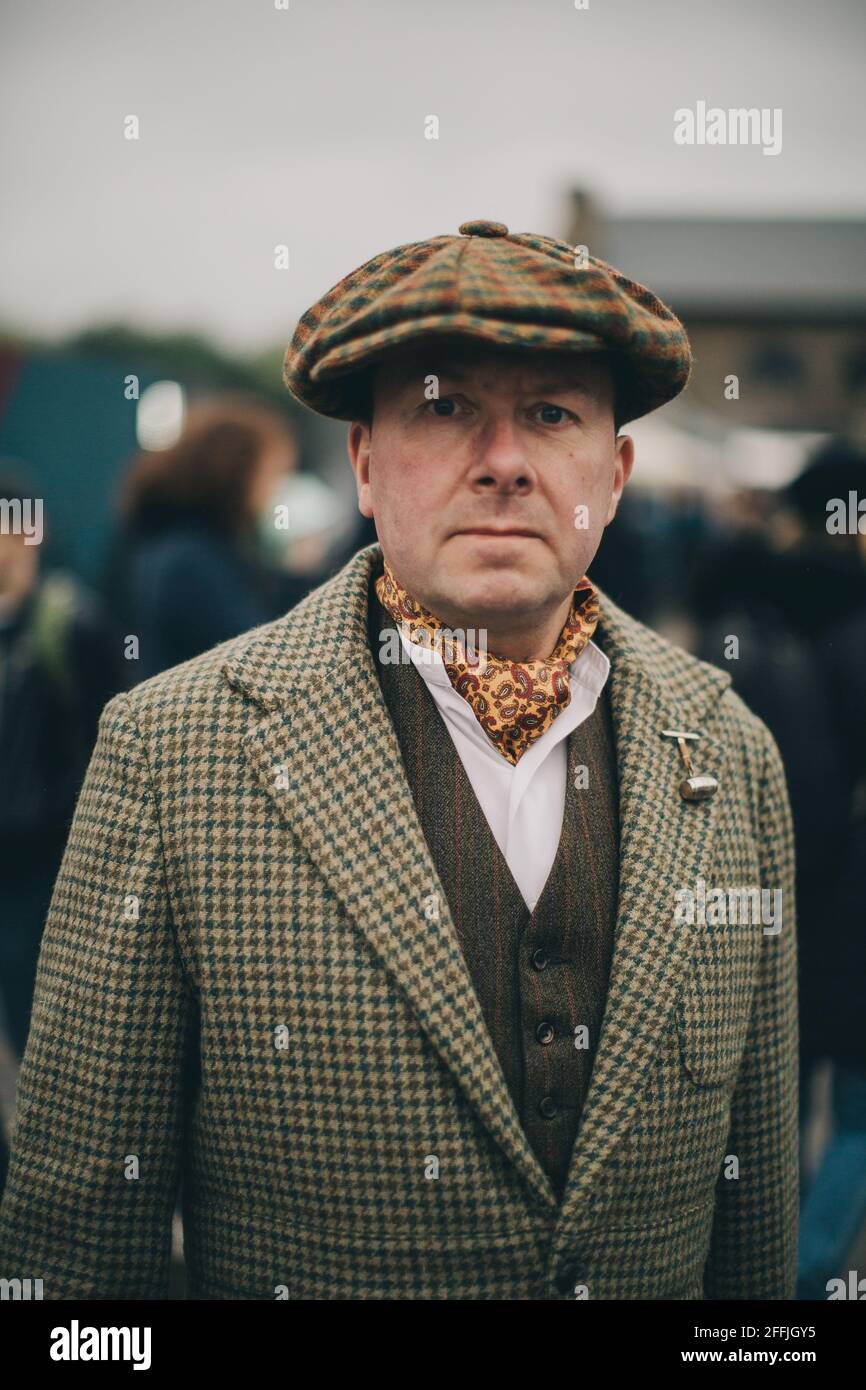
[{"x": 506, "y": 289}]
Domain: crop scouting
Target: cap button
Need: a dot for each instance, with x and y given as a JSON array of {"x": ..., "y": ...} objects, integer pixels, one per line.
[{"x": 482, "y": 228}]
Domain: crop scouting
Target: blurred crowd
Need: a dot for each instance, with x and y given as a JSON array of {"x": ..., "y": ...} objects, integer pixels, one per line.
[{"x": 220, "y": 531}]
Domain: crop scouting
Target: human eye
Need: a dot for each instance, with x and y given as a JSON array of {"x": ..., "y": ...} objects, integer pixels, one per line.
[
  {"x": 549, "y": 414},
  {"x": 444, "y": 406}
]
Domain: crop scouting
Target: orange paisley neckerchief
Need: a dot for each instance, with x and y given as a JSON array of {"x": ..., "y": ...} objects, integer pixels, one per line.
[{"x": 515, "y": 702}]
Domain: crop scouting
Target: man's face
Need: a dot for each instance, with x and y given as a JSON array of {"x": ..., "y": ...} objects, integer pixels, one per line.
[{"x": 477, "y": 496}]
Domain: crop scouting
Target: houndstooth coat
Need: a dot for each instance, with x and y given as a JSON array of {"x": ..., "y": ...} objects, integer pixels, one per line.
[{"x": 242, "y": 982}]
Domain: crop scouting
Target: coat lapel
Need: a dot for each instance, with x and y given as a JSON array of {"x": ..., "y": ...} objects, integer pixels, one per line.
[
  {"x": 325, "y": 750},
  {"x": 665, "y": 845}
]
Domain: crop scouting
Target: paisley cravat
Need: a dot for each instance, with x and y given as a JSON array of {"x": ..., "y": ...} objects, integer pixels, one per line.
[{"x": 513, "y": 701}]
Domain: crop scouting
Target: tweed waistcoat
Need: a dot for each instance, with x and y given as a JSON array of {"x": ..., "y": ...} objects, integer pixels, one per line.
[{"x": 542, "y": 974}]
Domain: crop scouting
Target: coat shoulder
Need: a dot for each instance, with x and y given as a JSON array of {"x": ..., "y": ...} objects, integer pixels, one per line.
[
  {"x": 197, "y": 689},
  {"x": 265, "y": 663}
]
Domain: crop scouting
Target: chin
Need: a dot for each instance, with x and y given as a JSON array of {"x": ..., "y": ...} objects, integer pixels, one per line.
[{"x": 498, "y": 595}]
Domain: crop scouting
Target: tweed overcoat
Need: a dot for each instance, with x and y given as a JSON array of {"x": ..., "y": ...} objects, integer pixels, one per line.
[{"x": 250, "y": 980}]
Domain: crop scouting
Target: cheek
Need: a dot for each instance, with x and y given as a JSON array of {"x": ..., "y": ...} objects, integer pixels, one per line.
[
  {"x": 588, "y": 485},
  {"x": 406, "y": 485}
]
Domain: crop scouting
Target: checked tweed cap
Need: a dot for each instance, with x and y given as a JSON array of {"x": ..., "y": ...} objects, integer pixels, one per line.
[{"x": 505, "y": 289}]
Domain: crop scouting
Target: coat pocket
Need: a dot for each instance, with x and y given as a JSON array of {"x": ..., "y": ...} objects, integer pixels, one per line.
[{"x": 714, "y": 1009}]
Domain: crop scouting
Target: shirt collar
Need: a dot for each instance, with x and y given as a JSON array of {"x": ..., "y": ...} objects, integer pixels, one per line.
[{"x": 590, "y": 669}]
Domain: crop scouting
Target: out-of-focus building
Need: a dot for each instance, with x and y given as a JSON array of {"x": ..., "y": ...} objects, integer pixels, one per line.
[{"x": 778, "y": 303}]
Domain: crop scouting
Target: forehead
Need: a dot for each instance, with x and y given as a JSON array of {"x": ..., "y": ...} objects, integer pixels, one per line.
[{"x": 488, "y": 367}]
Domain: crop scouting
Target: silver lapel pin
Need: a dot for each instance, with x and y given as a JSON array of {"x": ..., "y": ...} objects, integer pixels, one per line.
[{"x": 695, "y": 786}]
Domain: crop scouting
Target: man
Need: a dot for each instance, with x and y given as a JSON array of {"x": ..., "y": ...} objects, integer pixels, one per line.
[{"x": 379, "y": 923}]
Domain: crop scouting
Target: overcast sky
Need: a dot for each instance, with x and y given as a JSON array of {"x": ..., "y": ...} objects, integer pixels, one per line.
[{"x": 306, "y": 128}]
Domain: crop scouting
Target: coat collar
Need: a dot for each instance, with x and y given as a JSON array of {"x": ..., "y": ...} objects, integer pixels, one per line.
[
  {"x": 325, "y": 634},
  {"x": 325, "y": 750}
]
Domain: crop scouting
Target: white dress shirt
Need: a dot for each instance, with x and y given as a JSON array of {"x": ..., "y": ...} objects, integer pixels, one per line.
[{"x": 523, "y": 802}]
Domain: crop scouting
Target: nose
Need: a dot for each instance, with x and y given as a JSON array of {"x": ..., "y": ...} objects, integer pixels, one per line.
[{"x": 501, "y": 464}]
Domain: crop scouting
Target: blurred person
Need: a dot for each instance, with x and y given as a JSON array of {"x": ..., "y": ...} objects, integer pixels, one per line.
[
  {"x": 794, "y": 594},
  {"x": 645, "y": 551},
  {"x": 59, "y": 664},
  {"x": 833, "y": 994},
  {"x": 393, "y": 962},
  {"x": 833, "y": 990},
  {"x": 307, "y": 548},
  {"x": 189, "y": 564}
]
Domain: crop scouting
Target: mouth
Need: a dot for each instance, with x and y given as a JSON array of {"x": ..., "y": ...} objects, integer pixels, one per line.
[{"x": 499, "y": 533}]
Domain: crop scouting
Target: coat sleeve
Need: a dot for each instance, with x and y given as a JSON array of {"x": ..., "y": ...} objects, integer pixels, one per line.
[
  {"x": 95, "y": 1157},
  {"x": 753, "y": 1253}
]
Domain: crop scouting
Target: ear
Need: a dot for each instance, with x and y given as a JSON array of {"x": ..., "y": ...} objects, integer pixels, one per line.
[
  {"x": 622, "y": 466},
  {"x": 359, "y": 443}
]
